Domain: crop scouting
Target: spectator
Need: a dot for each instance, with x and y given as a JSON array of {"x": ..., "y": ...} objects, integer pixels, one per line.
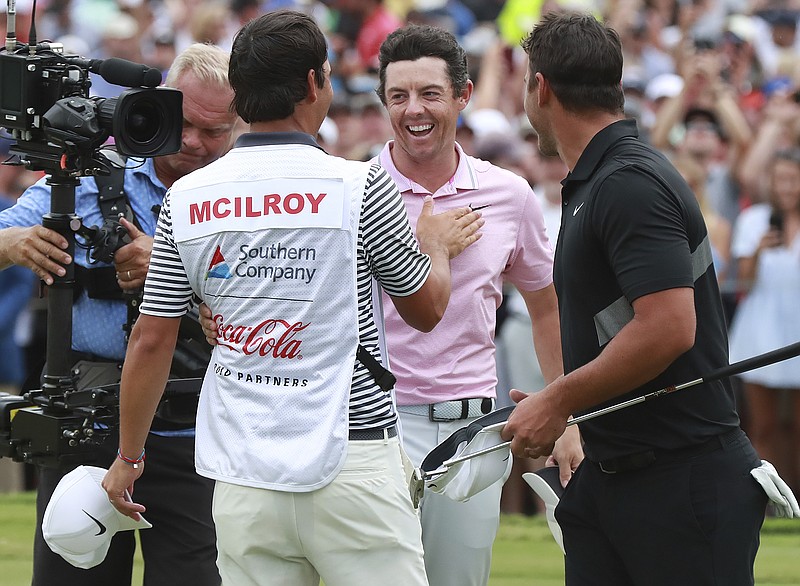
[
  {"x": 121, "y": 38},
  {"x": 212, "y": 23},
  {"x": 714, "y": 130},
  {"x": 245, "y": 10},
  {"x": 643, "y": 60},
  {"x": 451, "y": 15},
  {"x": 719, "y": 229},
  {"x": 162, "y": 52},
  {"x": 349, "y": 137},
  {"x": 766, "y": 245},
  {"x": 373, "y": 23},
  {"x": 779, "y": 129},
  {"x": 776, "y": 41}
]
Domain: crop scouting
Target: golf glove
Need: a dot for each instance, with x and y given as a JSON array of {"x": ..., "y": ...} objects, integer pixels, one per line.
[{"x": 777, "y": 490}]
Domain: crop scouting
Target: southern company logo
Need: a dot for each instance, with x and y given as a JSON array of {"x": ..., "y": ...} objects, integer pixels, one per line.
[{"x": 218, "y": 268}]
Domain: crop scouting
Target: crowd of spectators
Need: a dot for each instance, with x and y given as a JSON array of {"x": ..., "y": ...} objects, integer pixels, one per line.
[{"x": 714, "y": 84}]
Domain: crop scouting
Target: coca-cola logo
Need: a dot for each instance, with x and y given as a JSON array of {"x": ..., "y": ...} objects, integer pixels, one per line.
[{"x": 272, "y": 337}]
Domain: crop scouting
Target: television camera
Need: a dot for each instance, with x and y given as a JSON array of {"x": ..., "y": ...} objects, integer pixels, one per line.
[{"x": 58, "y": 128}]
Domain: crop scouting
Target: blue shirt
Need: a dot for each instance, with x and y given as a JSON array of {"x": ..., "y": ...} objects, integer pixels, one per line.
[
  {"x": 16, "y": 289},
  {"x": 96, "y": 323}
]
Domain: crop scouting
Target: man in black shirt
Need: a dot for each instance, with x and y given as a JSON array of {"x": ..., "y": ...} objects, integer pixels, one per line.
[{"x": 664, "y": 496}]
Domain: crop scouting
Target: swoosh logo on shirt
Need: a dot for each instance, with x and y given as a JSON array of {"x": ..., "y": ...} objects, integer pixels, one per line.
[
  {"x": 99, "y": 524},
  {"x": 578, "y": 208}
]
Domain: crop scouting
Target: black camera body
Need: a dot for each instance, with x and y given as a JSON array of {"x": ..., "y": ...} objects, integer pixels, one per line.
[
  {"x": 62, "y": 431},
  {"x": 60, "y": 434},
  {"x": 776, "y": 220},
  {"x": 45, "y": 105}
]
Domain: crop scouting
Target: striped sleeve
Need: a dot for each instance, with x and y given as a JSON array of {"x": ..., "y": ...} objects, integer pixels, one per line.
[
  {"x": 389, "y": 246},
  {"x": 167, "y": 292},
  {"x": 388, "y": 250}
]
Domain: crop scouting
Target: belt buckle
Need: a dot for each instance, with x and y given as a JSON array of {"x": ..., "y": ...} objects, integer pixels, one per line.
[
  {"x": 487, "y": 404},
  {"x": 603, "y": 469},
  {"x": 432, "y": 416},
  {"x": 630, "y": 463}
]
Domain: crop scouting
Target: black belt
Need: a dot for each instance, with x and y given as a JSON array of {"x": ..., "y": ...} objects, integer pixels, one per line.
[
  {"x": 372, "y": 434},
  {"x": 641, "y": 460},
  {"x": 78, "y": 356}
]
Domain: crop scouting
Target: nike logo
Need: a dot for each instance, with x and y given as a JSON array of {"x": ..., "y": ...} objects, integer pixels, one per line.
[
  {"x": 578, "y": 208},
  {"x": 99, "y": 524}
]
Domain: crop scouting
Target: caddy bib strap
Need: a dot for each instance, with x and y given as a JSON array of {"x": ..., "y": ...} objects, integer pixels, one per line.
[{"x": 382, "y": 376}]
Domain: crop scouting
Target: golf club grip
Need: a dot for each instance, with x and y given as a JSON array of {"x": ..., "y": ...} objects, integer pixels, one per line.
[{"x": 765, "y": 359}]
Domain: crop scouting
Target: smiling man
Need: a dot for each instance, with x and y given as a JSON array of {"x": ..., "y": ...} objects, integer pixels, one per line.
[{"x": 447, "y": 378}]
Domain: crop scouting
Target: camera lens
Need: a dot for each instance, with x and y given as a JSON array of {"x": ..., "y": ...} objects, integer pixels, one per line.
[{"x": 143, "y": 122}]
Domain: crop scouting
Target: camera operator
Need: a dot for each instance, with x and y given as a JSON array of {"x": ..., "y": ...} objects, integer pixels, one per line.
[{"x": 180, "y": 548}]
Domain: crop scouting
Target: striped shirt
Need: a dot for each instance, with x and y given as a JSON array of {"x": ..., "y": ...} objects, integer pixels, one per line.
[{"x": 386, "y": 250}]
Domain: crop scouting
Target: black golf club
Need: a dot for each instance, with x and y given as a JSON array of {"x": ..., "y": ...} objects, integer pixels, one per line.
[{"x": 752, "y": 363}]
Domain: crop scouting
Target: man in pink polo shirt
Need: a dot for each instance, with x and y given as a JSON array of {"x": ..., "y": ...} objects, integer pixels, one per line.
[{"x": 447, "y": 377}]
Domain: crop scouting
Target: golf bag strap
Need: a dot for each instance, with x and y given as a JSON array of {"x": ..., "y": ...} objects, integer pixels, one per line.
[{"x": 382, "y": 376}]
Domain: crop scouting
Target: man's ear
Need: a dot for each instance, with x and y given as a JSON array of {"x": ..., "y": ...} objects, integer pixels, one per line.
[
  {"x": 543, "y": 90},
  {"x": 466, "y": 94},
  {"x": 311, "y": 82}
]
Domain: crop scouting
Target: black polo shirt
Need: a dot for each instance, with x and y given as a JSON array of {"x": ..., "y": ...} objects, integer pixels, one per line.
[{"x": 631, "y": 226}]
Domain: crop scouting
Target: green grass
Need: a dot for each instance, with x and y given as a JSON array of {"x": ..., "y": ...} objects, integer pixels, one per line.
[{"x": 524, "y": 552}]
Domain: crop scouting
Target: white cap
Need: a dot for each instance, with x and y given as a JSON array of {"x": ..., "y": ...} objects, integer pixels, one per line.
[
  {"x": 485, "y": 121},
  {"x": 426, "y": 5},
  {"x": 79, "y": 521},
  {"x": 465, "y": 479},
  {"x": 74, "y": 45},
  {"x": 329, "y": 132},
  {"x": 122, "y": 26},
  {"x": 742, "y": 26},
  {"x": 666, "y": 85}
]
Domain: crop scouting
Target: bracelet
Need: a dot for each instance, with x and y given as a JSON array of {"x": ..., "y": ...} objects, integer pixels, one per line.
[{"x": 131, "y": 462}]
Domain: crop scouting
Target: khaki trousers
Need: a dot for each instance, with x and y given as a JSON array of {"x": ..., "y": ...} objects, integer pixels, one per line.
[{"x": 359, "y": 529}]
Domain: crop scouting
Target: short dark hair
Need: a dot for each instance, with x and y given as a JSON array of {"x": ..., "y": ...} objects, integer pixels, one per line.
[
  {"x": 415, "y": 41},
  {"x": 270, "y": 61},
  {"x": 580, "y": 58},
  {"x": 696, "y": 114}
]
